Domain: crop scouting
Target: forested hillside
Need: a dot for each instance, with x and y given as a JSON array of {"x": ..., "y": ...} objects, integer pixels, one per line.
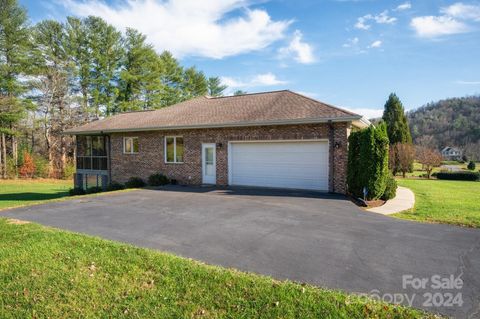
[
  {"x": 54, "y": 75},
  {"x": 450, "y": 122}
]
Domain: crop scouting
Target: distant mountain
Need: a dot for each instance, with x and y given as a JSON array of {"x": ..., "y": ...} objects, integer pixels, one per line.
[{"x": 450, "y": 122}]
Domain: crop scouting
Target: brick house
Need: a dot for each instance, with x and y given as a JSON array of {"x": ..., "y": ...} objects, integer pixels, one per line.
[{"x": 272, "y": 139}]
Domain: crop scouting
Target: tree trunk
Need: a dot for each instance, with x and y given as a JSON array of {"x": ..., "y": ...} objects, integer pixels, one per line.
[
  {"x": 63, "y": 156},
  {"x": 4, "y": 156},
  {"x": 15, "y": 155}
]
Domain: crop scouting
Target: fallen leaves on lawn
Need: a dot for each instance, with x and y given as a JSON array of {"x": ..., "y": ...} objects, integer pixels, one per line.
[{"x": 14, "y": 221}]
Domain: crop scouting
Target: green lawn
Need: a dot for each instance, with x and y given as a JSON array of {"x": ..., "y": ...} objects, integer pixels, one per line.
[
  {"x": 45, "y": 272},
  {"x": 26, "y": 192},
  {"x": 451, "y": 202}
]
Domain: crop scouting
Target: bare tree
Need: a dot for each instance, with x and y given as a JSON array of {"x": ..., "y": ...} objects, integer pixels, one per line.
[
  {"x": 429, "y": 158},
  {"x": 401, "y": 157}
]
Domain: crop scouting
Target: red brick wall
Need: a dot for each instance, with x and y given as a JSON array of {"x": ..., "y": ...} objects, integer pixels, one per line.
[{"x": 150, "y": 158}]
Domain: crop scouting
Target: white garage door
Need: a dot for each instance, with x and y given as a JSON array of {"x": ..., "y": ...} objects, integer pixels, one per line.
[{"x": 302, "y": 165}]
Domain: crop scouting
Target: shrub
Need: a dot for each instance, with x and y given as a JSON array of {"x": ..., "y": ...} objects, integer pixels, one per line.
[
  {"x": 391, "y": 189},
  {"x": 41, "y": 166},
  {"x": 76, "y": 191},
  {"x": 158, "y": 180},
  {"x": 68, "y": 170},
  {"x": 27, "y": 169},
  {"x": 471, "y": 165},
  {"x": 459, "y": 176},
  {"x": 93, "y": 190},
  {"x": 115, "y": 186},
  {"x": 135, "y": 182},
  {"x": 368, "y": 162}
]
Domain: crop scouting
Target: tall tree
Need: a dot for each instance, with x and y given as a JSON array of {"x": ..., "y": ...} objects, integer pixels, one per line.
[
  {"x": 77, "y": 46},
  {"x": 239, "y": 92},
  {"x": 55, "y": 72},
  {"x": 215, "y": 86},
  {"x": 14, "y": 49},
  {"x": 397, "y": 124},
  {"x": 105, "y": 47},
  {"x": 194, "y": 83},
  {"x": 171, "y": 79},
  {"x": 140, "y": 84}
]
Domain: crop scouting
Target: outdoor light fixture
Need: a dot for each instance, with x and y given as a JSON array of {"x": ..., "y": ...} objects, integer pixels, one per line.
[{"x": 337, "y": 144}]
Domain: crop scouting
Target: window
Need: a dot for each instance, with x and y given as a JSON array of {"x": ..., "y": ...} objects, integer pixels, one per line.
[
  {"x": 130, "y": 145},
  {"x": 174, "y": 149}
]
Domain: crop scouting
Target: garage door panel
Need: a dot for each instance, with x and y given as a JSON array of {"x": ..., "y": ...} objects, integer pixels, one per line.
[{"x": 280, "y": 164}]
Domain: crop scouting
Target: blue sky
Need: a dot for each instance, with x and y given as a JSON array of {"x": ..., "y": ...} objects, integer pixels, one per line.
[{"x": 348, "y": 53}]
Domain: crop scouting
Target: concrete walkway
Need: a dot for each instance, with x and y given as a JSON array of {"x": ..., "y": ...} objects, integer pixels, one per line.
[{"x": 404, "y": 200}]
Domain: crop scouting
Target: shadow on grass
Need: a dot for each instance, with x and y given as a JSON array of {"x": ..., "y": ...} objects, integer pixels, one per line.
[{"x": 32, "y": 196}]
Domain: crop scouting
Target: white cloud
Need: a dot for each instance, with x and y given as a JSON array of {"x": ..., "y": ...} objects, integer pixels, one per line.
[
  {"x": 190, "y": 27},
  {"x": 462, "y": 11},
  {"x": 382, "y": 18},
  {"x": 361, "y": 23},
  {"x": 403, "y": 6},
  {"x": 375, "y": 44},
  {"x": 264, "y": 79},
  {"x": 351, "y": 43},
  {"x": 302, "y": 52},
  {"x": 435, "y": 26},
  {"x": 453, "y": 20}
]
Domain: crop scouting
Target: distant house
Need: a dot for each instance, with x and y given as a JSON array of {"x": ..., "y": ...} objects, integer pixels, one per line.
[{"x": 451, "y": 154}]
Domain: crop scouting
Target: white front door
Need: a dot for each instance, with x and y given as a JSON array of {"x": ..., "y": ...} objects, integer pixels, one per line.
[{"x": 209, "y": 166}]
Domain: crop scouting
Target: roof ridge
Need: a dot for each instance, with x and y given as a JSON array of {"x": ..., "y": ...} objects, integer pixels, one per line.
[
  {"x": 326, "y": 104},
  {"x": 254, "y": 93}
]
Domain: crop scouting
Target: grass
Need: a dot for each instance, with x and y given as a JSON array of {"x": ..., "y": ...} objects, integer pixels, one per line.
[
  {"x": 441, "y": 201},
  {"x": 19, "y": 192},
  {"x": 45, "y": 272}
]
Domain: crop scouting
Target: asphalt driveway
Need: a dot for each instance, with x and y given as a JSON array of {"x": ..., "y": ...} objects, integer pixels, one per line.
[{"x": 308, "y": 237}]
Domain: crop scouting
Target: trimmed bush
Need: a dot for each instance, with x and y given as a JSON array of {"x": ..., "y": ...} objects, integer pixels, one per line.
[
  {"x": 158, "y": 180},
  {"x": 390, "y": 189},
  {"x": 368, "y": 162},
  {"x": 115, "y": 186},
  {"x": 135, "y": 182},
  {"x": 459, "y": 176},
  {"x": 76, "y": 191},
  {"x": 471, "y": 165}
]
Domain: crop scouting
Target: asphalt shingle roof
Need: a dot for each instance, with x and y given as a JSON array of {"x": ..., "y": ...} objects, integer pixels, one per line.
[{"x": 276, "y": 107}]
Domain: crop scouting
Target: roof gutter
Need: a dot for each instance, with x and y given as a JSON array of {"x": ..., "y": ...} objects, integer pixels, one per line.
[
  {"x": 363, "y": 122},
  {"x": 353, "y": 119}
]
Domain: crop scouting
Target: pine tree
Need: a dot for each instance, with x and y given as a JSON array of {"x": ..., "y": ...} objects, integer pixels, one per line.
[
  {"x": 194, "y": 83},
  {"x": 239, "y": 92},
  {"x": 14, "y": 62},
  {"x": 172, "y": 78},
  {"x": 77, "y": 46},
  {"x": 397, "y": 123},
  {"x": 55, "y": 73},
  {"x": 215, "y": 86},
  {"x": 106, "y": 52},
  {"x": 140, "y": 85}
]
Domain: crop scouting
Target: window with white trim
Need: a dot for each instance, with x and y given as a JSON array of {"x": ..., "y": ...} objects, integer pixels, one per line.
[
  {"x": 130, "y": 145},
  {"x": 173, "y": 149}
]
